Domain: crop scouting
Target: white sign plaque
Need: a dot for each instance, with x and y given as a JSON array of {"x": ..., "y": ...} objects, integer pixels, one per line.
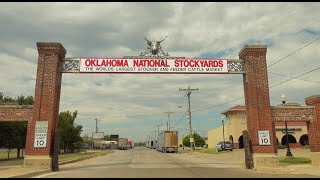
[
  {"x": 170, "y": 66},
  {"x": 40, "y": 136},
  {"x": 264, "y": 138},
  {"x": 191, "y": 140}
]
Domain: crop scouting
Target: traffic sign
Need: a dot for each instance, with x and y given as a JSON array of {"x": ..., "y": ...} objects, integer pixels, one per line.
[
  {"x": 264, "y": 138},
  {"x": 40, "y": 136}
]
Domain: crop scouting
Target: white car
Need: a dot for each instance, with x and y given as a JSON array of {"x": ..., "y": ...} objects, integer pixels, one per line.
[{"x": 228, "y": 146}]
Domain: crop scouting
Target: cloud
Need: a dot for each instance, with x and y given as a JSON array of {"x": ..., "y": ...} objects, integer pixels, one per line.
[{"x": 115, "y": 29}]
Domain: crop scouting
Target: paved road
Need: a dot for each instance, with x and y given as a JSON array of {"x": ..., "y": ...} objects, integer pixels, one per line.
[{"x": 143, "y": 162}]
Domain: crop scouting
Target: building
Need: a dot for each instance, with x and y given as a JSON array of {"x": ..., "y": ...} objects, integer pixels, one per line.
[{"x": 235, "y": 122}]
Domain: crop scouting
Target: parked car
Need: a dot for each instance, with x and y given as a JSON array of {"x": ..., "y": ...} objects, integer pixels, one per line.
[{"x": 228, "y": 146}]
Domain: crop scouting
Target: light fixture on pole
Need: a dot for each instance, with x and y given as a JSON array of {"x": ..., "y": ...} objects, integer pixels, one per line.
[
  {"x": 289, "y": 154},
  {"x": 224, "y": 140}
]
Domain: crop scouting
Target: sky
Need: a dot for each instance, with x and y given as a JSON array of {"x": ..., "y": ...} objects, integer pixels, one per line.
[{"x": 133, "y": 105}]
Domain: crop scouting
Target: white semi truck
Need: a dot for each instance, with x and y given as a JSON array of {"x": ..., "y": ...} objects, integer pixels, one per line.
[
  {"x": 168, "y": 141},
  {"x": 123, "y": 143}
]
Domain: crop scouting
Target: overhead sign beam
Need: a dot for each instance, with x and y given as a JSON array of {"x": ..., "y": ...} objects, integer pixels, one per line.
[{"x": 172, "y": 65}]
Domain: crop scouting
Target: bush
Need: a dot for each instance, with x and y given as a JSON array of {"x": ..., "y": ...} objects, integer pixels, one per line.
[{"x": 281, "y": 146}]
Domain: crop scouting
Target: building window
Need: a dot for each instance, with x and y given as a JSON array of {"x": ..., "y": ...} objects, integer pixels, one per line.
[{"x": 243, "y": 119}]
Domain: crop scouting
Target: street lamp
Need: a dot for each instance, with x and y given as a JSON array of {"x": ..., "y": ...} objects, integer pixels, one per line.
[
  {"x": 289, "y": 154},
  {"x": 224, "y": 141}
]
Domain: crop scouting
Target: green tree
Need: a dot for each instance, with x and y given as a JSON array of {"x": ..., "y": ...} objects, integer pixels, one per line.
[
  {"x": 200, "y": 142},
  {"x": 21, "y": 100},
  {"x": 13, "y": 135},
  {"x": 87, "y": 142},
  {"x": 106, "y": 138},
  {"x": 70, "y": 139},
  {"x": 1, "y": 97}
]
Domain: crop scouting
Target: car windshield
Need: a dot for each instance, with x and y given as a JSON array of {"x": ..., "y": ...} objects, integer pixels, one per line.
[{"x": 227, "y": 142}]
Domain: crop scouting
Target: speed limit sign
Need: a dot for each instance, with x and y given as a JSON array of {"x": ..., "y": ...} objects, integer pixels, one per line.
[
  {"x": 264, "y": 138},
  {"x": 40, "y": 136}
]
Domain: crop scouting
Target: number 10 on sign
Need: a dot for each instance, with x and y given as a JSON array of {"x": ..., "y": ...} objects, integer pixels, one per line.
[{"x": 264, "y": 138}]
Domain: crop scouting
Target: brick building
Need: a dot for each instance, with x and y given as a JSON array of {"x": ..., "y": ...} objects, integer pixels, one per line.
[{"x": 236, "y": 122}]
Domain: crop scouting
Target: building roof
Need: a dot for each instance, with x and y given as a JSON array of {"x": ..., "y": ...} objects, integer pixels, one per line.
[{"x": 235, "y": 108}]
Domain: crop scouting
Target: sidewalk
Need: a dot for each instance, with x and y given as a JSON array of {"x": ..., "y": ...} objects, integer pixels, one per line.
[
  {"x": 15, "y": 169},
  {"x": 237, "y": 157}
]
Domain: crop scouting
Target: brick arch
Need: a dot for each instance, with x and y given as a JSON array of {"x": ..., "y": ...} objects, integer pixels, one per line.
[
  {"x": 256, "y": 91},
  {"x": 231, "y": 138},
  {"x": 291, "y": 138},
  {"x": 240, "y": 142},
  {"x": 304, "y": 140}
]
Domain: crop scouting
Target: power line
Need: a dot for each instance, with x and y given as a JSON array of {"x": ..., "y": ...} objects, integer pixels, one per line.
[
  {"x": 181, "y": 118},
  {"x": 294, "y": 52},
  {"x": 218, "y": 105},
  {"x": 307, "y": 80},
  {"x": 269, "y": 88},
  {"x": 295, "y": 77}
]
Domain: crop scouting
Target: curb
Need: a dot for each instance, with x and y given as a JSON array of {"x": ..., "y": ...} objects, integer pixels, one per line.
[
  {"x": 273, "y": 170},
  {"x": 37, "y": 173},
  {"x": 32, "y": 174},
  {"x": 76, "y": 160}
]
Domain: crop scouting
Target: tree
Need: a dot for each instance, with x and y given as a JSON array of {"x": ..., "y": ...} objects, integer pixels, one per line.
[
  {"x": 106, "y": 138},
  {"x": 70, "y": 139},
  {"x": 87, "y": 142},
  {"x": 21, "y": 100},
  {"x": 200, "y": 142},
  {"x": 13, "y": 135},
  {"x": 1, "y": 97}
]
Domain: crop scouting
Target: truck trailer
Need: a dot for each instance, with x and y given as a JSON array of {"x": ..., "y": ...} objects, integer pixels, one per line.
[
  {"x": 123, "y": 143},
  {"x": 168, "y": 141}
]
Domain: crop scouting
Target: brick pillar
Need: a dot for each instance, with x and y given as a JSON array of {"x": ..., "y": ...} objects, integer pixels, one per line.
[
  {"x": 46, "y": 103},
  {"x": 258, "y": 112},
  {"x": 314, "y": 130}
]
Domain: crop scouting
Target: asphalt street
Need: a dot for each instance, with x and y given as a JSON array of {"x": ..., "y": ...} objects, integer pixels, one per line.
[{"x": 143, "y": 162}]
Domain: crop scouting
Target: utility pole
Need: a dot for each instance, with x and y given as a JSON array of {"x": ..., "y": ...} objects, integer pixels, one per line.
[
  {"x": 189, "y": 91},
  {"x": 194, "y": 140},
  {"x": 96, "y": 119},
  {"x": 169, "y": 112}
]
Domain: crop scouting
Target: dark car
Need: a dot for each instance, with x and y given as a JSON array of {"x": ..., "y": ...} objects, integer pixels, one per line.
[{"x": 228, "y": 146}]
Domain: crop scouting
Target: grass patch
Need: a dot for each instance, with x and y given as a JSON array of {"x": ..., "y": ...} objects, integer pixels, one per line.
[
  {"x": 305, "y": 147},
  {"x": 12, "y": 154},
  {"x": 296, "y": 160},
  {"x": 208, "y": 151},
  {"x": 74, "y": 156}
]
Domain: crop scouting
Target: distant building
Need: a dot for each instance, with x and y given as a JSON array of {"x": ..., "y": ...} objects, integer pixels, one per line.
[{"x": 236, "y": 122}]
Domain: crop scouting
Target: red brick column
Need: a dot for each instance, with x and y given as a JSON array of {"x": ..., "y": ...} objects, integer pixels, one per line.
[
  {"x": 257, "y": 101},
  {"x": 46, "y": 104},
  {"x": 314, "y": 129}
]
